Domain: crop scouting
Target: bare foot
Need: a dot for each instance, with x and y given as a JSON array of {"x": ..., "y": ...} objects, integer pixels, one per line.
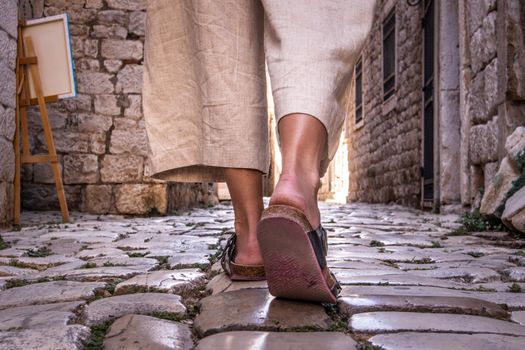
[{"x": 300, "y": 193}]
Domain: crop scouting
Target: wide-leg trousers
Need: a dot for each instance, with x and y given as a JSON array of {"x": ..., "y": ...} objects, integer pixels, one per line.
[{"x": 204, "y": 89}]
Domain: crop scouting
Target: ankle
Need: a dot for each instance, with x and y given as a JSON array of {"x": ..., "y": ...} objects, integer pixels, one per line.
[{"x": 308, "y": 180}]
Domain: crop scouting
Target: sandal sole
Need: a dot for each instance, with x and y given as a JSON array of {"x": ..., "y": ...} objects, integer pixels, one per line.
[{"x": 292, "y": 269}]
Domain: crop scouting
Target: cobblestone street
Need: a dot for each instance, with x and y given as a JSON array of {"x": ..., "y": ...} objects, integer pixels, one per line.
[{"x": 411, "y": 280}]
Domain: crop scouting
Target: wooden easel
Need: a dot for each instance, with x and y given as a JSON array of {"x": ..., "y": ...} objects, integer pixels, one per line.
[{"x": 29, "y": 65}]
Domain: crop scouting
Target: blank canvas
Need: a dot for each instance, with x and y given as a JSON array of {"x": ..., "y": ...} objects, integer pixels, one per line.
[{"x": 52, "y": 45}]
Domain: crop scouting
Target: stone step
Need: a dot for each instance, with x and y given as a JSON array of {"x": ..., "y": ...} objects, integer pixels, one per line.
[
  {"x": 250, "y": 309},
  {"x": 145, "y": 332},
  {"x": 440, "y": 341},
  {"x": 391, "y": 321},
  {"x": 458, "y": 305},
  {"x": 277, "y": 340}
]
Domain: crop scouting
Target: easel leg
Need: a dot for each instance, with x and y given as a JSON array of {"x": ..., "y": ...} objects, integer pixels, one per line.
[
  {"x": 16, "y": 204},
  {"x": 54, "y": 162},
  {"x": 48, "y": 134},
  {"x": 24, "y": 131}
]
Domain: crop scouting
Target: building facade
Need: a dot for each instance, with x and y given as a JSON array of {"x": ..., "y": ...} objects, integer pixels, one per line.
[
  {"x": 99, "y": 134},
  {"x": 438, "y": 88},
  {"x": 8, "y": 44}
]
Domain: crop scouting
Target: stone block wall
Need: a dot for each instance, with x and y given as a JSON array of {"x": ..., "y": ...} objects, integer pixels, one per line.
[
  {"x": 8, "y": 47},
  {"x": 481, "y": 112},
  {"x": 492, "y": 71},
  {"x": 384, "y": 152},
  {"x": 100, "y": 134}
]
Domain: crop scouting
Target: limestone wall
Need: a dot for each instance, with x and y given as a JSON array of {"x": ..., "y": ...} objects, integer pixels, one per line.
[
  {"x": 8, "y": 44},
  {"x": 100, "y": 134},
  {"x": 479, "y": 70},
  {"x": 384, "y": 155},
  {"x": 479, "y": 101},
  {"x": 493, "y": 62}
]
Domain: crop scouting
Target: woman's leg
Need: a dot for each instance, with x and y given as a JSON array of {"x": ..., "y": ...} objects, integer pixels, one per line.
[
  {"x": 303, "y": 140},
  {"x": 245, "y": 186}
]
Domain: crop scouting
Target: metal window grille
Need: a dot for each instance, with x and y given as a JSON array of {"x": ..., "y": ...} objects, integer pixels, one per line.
[{"x": 359, "y": 91}]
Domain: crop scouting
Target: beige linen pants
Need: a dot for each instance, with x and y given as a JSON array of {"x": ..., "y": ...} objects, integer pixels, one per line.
[{"x": 204, "y": 92}]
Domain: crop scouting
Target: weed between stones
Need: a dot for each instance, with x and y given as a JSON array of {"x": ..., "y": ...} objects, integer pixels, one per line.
[
  {"x": 13, "y": 283},
  {"x": 19, "y": 282},
  {"x": 369, "y": 346},
  {"x": 96, "y": 339},
  {"x": 137, "y": 254},
  {"x": 515, "y": 288},
  {"x": 3, "y": 244},
  {"x": 17, "y": 263},
  {"x": 436, "y": 244},
  {"x": 38, "y": 253},
  {"x": 88, "y": 265},
  {"x": 476, "y": 254},
  {"x": 376, "y": 243}
]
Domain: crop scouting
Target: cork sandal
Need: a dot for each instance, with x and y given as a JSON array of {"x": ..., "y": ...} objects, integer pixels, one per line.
[
  {"x": 239, "y": 272},
  {"x": 295, "y": 256}
]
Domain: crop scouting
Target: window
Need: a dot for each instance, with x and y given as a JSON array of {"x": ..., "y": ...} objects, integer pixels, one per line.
[
  {"x": 359, "y": 91},
  {"x": 389, "y": 55}
]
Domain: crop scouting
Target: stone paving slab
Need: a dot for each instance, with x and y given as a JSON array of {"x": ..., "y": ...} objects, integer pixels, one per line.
[
  {"x": 101, "y": 252},
  {"x": 141, "y": 303},
  {"x": 498, "y": 286},
  {"x": 516, "y": 274},
  {"x": 396, "y": 259},
  {"x": 222, "y": 283},
  {"x": 49, "y": 338},
  {"x": 40, "y": 262},
  {"x": 37, "y": 316},
  {"x": 360, "y": 265},
  {"x": 161, "y": 280},
  {"x": 189, "y": 259},
  {"x": 432, "y": 304},
  {"x": 109, "y": 261},
  {"x": 518, "y": 317},
  {"x": 48, "y": 292},
  {"x": 401, "y": 280},
  {"x": 11, "y": 252},
  {"x": 391, "y": 321},
  {"x": 344, "y": 275},
  {"x": 277, "y": 341},
  {"x": 15, "y": 271},
  {"x": 91, "y": 236},
  {"x": 145, "y": 332},
  {"x": 474, "y": 274},
  {"x": 440, "y": 341},
  {"x": 103, "y": 273},
  {"x": 251, "y": 309},
  {"x": 514, "y": 301}
]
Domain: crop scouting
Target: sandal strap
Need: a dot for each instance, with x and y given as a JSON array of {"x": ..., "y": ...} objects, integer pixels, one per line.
[
  {"x": 318, "y": 239},
  {"x": 336, "y": 286},
  {"x": 228, "y": 254}
]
